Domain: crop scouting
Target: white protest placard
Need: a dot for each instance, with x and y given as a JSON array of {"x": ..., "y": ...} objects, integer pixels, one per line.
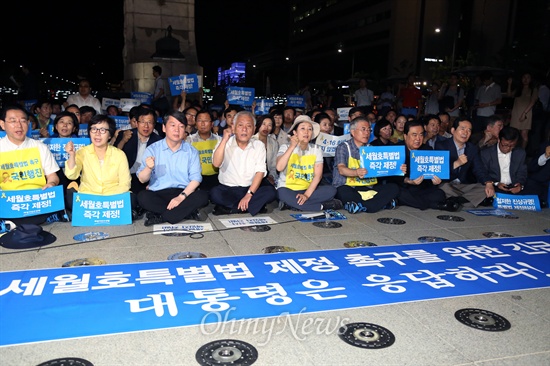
[{"x": 247, "y": 221}]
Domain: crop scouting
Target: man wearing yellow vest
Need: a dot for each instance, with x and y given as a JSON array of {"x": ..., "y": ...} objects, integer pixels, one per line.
[{"x": 359, "y": 194}]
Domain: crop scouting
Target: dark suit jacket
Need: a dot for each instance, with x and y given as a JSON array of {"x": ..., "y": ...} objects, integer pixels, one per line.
[
  {"x": 491, "y": 167},
  {"x": 131, "y": 147},
  {"x": 466, "y": 172}
]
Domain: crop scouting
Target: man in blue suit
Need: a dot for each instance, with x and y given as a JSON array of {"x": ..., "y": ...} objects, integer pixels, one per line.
[{"x": 463, "y": 185}]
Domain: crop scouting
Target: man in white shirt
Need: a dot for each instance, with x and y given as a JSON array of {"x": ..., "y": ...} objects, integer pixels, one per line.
[
  {"x": 489, "y": 95},
  {"x": 84, "y": 97},
  {"x": 242, "y": 166},
  {"x": 27, "y": 163},
  {"x": 364, "y": 96}
]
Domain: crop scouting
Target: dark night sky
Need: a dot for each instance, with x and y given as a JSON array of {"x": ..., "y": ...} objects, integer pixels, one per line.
[{"x": 68, "y": 38}]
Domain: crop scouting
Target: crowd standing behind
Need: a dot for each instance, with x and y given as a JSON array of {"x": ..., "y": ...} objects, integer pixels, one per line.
[{"x": 242, "y": 162}]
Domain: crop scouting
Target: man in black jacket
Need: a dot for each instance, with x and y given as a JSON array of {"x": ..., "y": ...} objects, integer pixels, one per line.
[
  {"x": 463, "y": 156},
  {"x": 134, "y": 142}
]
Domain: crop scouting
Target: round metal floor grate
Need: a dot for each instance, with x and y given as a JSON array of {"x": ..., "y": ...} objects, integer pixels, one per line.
[
  {"x": 256, "y": 228},
  {"x": 277, "y": 249},
  {"x": 391, "y": 221},
  {"x": 227, "y": 352},
  {"x": 358, "y": 244},
  {"x": 482, "y": 319},
  {"x": 67, "y": 361},
  {"x": 366, "y": 335},
  {"x": 450, "y": 218},
  {"x": 496, "y": 234},
  {"x": 431, "y": 239},
  {"x": 91, "y": 236},
  {"x": 327, "y": 224},
  {"x": 185, "y": 255},
  {"x": 84, "y": 262}
]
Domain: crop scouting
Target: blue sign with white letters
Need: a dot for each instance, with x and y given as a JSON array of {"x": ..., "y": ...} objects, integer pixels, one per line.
[
  {"x": 382, "y": 161},
  {"x": 430, "y": 163},
  {"x": 240, "y": 96},
  {"x": 263, "y": 106},
  {"x": 57, "y": 147},
  {"x": 119, "y": 298},
  {"x": 101, "y": 210},
  {"x": 143, "y": 97},
  {"x": 297, "y": 101},
  {"x": 31, "y": 202},
  {"x": 188, "y": 83},
  {"x": 516, "y": 202}
]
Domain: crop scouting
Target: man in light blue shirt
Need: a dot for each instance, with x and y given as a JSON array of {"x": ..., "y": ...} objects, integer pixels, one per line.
[{"x": 172, "y": 168}]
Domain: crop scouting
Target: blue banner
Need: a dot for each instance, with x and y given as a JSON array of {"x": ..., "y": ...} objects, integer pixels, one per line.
[
  {"x": 99, "y": 210},
  {"x": 57, "y": 147},
  {"x": 119, "y": 298},
  {"x": 263, "y": 106},
  {"x": 188, "y": 83},
  {"x": 83, "y": 130},
  {"x": 382, "y": 161},
  {"x": 31, "y": 202},
  {"x": 240, "y": 96},
  {"x": 430, "y": 163},
  {"x": 143, "y": 97},
  {"x": 296, "y": 101},
  {"x": 516, "y": 202},
  {"x": 122, "y": 122}
]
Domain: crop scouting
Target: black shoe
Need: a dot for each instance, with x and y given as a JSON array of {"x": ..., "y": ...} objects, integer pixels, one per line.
[
  {"x": 449, "y": 206},
  {"x": 199, "y": 215},
  {"x": 221, "y": 210},
  {"x": 333, "y": 204},
  {"x": 283, "y": 206},
  {"x": 137, "y": 214},
  {"x": 487, "y": 202},
  {"x": 153, "y": 219}
]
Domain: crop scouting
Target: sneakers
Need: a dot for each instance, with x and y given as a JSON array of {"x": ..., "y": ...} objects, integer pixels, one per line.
[
  {"x": 6, "y": 225},
  {"x": 60, "y": 216},
  {"x": 333, "y": 204},
  {"x": 354, "y": 207},
  {"x": 153, "y": 219},
  {"x": 199, "y": 215},
  {"x": 392, "y": 205}
]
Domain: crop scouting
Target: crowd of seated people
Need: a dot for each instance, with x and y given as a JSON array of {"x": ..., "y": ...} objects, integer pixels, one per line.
[{"x": 257, "y": 161}]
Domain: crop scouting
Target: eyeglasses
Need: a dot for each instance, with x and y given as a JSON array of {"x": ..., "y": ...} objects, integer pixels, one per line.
[
  {"x": 146, "y": 123},
  {"x": 101, "y": 130}
]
